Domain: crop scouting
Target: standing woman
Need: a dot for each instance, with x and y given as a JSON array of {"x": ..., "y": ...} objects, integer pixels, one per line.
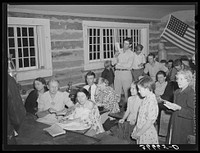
[
  {"x": 144, "y": 131},
  {"x": 39, "y": 85},
  {"x": 182, "y": 123},
  {"x": 105, "y": 96}
]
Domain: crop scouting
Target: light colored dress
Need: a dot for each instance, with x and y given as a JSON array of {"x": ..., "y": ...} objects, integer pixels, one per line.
[
  {"x": 148, "y": 111},
  {"x": 58, "y": 103},
  {"x": 88, "y": 116},
  {"x": 109, "y": 99},
  {"x": 133, "y": 106}
]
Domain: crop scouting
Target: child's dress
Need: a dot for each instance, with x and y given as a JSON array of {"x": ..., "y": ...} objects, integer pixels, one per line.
[{"x": 148, "y": 111}]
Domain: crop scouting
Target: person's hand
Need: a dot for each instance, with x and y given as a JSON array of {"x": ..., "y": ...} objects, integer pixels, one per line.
[
  {"x": 135, "y": 135},
  {"x": 132, "y": 122},
  {"x": 121, "y": 121},
  {"x": 51, "y": 110}
]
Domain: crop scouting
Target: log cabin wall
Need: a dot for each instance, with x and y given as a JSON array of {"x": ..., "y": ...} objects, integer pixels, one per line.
[{"x": 67, "y": 44}]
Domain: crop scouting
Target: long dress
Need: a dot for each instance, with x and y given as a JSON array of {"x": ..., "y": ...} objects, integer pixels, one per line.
[
  {"x": 148, "y": 111},
  {"x": 183, "y": 120}
]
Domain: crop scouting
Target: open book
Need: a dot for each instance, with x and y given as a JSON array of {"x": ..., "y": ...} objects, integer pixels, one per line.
[{"x": 55, "y": 130}]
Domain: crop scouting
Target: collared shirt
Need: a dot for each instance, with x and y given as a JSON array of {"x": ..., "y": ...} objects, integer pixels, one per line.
[
  {"x": 138, "y": 59},
  {"x": 160, "y": 88},
  {"x": 125, "y": 60},
  {"x": 93, "y": 90},
  {"x": 153, "y": 69}
]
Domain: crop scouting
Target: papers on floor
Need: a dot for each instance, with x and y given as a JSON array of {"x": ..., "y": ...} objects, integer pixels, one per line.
[
  {"x": 73, "y": 126},
  {"x": 55, "y": 130}
]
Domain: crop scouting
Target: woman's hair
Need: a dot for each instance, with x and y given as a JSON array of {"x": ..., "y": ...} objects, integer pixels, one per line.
[
  {"x": 53, "y": 80},
  {"x": 84, "y": 91},
  {"x": 42, "y": 80},
  {"x": 160, "y": 72},
  {"x": 103, "y": 80},
  {"x": 187, "y": 74},
  {"x": 139, "y": 46},
  {"x": 147, "y": 82},
  {"x": 107, "y": 63}
]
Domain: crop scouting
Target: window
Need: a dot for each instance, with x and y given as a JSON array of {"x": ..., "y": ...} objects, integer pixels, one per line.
[
  {"x": 29, "y": 46},
  {"x": 100, "y": 38}
]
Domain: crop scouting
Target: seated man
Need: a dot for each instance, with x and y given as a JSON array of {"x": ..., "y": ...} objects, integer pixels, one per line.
[{"x": 52, "y": 103}]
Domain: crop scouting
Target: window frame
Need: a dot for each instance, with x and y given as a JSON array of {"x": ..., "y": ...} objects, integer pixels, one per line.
[
  {"x": 43, "y": 45},
  {"x": 98, "y": 64}
]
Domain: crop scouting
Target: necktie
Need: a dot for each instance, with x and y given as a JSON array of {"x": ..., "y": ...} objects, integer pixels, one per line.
[{"x": 89, "y": 90}]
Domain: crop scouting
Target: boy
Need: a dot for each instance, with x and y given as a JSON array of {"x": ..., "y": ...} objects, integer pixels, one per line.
[{"x": 90, "y": 85}]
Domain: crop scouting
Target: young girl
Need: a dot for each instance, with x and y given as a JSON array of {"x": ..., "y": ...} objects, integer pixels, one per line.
[
  {"x": 144, "y": 131},
  {"x": 127, "y": 123}
]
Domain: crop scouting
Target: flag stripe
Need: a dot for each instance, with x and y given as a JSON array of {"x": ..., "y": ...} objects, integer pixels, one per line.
[
  {"x": 176, "y": 41},
  {"x": 180, "y": 46},
  {"x": 183, "y": 41},
  {"x": 180, "y": 34}
]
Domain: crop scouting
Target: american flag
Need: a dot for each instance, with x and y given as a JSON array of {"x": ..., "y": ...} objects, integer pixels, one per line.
[{"x": 180, "y": 34}]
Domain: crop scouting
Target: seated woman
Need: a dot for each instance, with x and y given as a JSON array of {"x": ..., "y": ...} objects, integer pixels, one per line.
[
  {"x": 163, "y": 91},
  {"x": 107, "y": 97},
  {"x": 39, "y": 85},
  {"x": 52, "y": 103},
  {"x": 85, "y": 111}
]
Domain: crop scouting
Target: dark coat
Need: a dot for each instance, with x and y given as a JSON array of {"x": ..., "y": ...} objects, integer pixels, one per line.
[
  {"x": 31, "y": 102},
  {"x": 183, "y": 120},
  {"x": 16, "y": 110}
]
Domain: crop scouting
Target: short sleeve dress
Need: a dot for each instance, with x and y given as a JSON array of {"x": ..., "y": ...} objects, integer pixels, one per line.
[{"x": 148, "y": 111}]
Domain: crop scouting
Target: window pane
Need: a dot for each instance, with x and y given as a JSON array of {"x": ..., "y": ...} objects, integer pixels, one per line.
[
  {"x": 19, "y": 42},
  {"x": 24, "y": 31},
  {"x": 12, "y": 52},
  {"x": 108, "y": 40},
  {"x": 94, "y": 40},
  {"x": 104, "y": 54},
  {"x": 90, "y": 50},
  {"x": 33, "y": 62},
  {"x": 18, "y": 31},
  {"x": 11, "y": 42},
  {"x": 26, "y": 62},
  {"x": 31, "y": 32},
  {"x": 10, "y": 32},
  {"x": 90, "y": 56},
  {"x": 20, "y": 63},
  {"x": 94, "y": 56},
  {"x": 104, "y": 39},
  {"x": 32, "y": 51},
  {"x": 20, "y": 52},
  {"x": 98, "y": 32},
  {"x": 25, "y": 52},
  {"x": 94, "y": 34},
  {"x": 112, "y": 54},
  {"x": 94, "y": 49},
  {"x": 25, "y": 42},
  {"x": 90, "y": 42},
  {"x": 31, "y": 41},
  {"x": 90, "y": 32},
  {"x": 98, "y": 55},
  {"x": 98, "y": 47},
  {"x": 108, "y": 54},
  {"x": 98, "y": 40}
]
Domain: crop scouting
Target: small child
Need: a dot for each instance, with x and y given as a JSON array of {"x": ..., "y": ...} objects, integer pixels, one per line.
[
  {"x": 108, "y": 73},
  {"x": 144, "y": 131},
  {"x": 127, "y": 123}
]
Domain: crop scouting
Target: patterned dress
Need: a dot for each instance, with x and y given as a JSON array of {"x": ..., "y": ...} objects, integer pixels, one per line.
[
  {"x": 148, "y": 111},
  {"x": 88, "y": 116},
  {"x": 109, "y": 99}
]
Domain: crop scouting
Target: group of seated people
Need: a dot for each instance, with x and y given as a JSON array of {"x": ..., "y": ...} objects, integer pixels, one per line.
[{"x": 51, "y": 105}]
